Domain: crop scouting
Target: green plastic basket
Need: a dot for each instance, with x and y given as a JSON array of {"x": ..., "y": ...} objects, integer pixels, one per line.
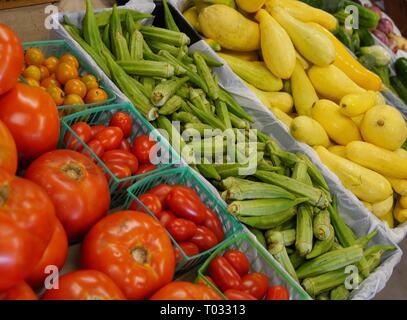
[
  {"x": 260, "y": 261},
  {"x": 186, "y": 176},
  {"x": 58, "y": 48},
  {"x": 167, "y": 157}
]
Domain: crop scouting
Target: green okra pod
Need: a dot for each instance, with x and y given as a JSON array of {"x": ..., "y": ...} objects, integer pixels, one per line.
[
  {"x": 269, "y": 221},
  {"x": 339, "y": 293},
  {"x": 136, "y": 45},
  {"x": 314, "y": 173},
  {"x": 205, "y": 73},
  {"x": 147, "y": 68},
  {"x": 171, "y": 106},
  {"x": 148, "y": 84},
  {"x": 379, "y": 248},
  {"x": 288, "y": 236},
  {"x": 223, "y": 113},
  {"x": 259, "y": 236},
  {"x": 322, "y": 246},
  {"x": 201, "y": 128},
  {"x": 91, "y": 32},
  {"x": 364, "y": 241},
  {"x": 166, "y": 36},
  {"x": 103, "y": 18},
  {"x": 263, "y": 207},
  {"x": 206, "y": 117},
  {"x": 165, "y": 90},
  {"x": 208, "y": 171},
  {"x": 303, "y": 242},
  {"x": 106, "y": 37},
  {"x": 185, "y": 117},
  {"x": 345, "y": 235},
  {"x": 168, "y": 18},
  {"x": 322, "y": 225},
  {"x": 324, "y": 282},
  {"x": 296, "y": 259},
  {"x": 300, "y": 173}
]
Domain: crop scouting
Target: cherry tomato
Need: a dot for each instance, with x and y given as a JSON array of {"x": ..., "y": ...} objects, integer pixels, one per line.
[
  {"x": 71, "y": 59},
  {"x": 33, "y": 83},
  {"x": 77, "y": 187},
  {"x": 111, "y": 137},
  {"x": 32, "y": 72},
  {"x": 204, "y": 238},
  {"x": 181, "y": 229},
  {"x": 123, "y": 121},
  {"x": 57, "y": 95},
  {"x": 73, "y": 100},
  {"x": 51, "y": 64},
  {"x": 75, "y": 86},
  {"x": 90, "y": 81},
  {"x": 97, "y": 148},
  {"x": 8, "y": 150},
  {"x": 238, "y": 261},
  {"x": 213, "y": 222},
  {"x": 278, "y": 293},
  {"x": 96, "y": 129},
  {"x": 85, "y": 285},
  {"x": 50, "y": 82},
  {"x": 150, "y": 201},
  {"x": 185, "y": 291},
  {"x": 122, "y": 158},
  {"x": 83, "y": 131},
  {"x": 224, "y": 275},
  {"x": 96, "y": 95},
  {"x": 142, "y": 146},
  {"x": 256, "y": 284},
  {"x": 233, "y": 294},
  {"x": 189, "y": 248},
  {"x": 144, "y": 168},
  {"x": 120, "y": 172},
  {"x": 165, "y": 217},
  {"x": 34, "y": 56},
  {"x": 161, "y": 191},
  {"x": 65, "y": 72},
  {"x": 44, "y": 72},
  {"x": 139, "y": 258},
  {"x": 125, "y": 145},
  {"x": 22, "y": 291}
]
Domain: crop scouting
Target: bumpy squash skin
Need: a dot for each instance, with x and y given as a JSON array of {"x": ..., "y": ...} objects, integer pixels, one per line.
[
  {"x": 309, "y": 131},
  {"x": 303, "y": 91},
  {"x": 380, "y": 209},
  {"x": 229, "y": 28},
  {"x": 250, "y": 5},
  {"x": 400, "y": 214},
  {"x": 340, "y": 151},
  {"x": 399, "y": 185}
]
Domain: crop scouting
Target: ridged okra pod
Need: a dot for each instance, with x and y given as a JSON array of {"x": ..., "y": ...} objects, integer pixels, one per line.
[
  {"x": 136, "y": 45},
  {"x": 198, "y": 102},
  {"x": 339, "y": 293},
  {"x": 91, "y": 32},
  {"x": 185, "y": 117},
  {"x": 322, "y": 246},
  {"x": 364, "y": 241},
  {"x": 174, "y": 38},
  {"x": 207, "y": 117},
  {"x": 122, "y": 48},
  {"x": 300, "y": 173},
  {"x": 223, "y": 113},
  {"x": 191, "y": 128},
  {"x": 288, "y": 236},
  {"x": 115, "y": 28},
  {"x": 168, "y": 18},
  {"x": 296, "y": 259},
  {"x": 165, "y": 90},
  {"x": 263, "y": 207},
  {"x": 344, "y": 234},
  {"x": 233, "y": 106},
  {"x": 324, "y": 282},
  {"x": 313, "y": 172},
  {"x": 208, "y": 171},
  {"x": 303, "y": 243},
  {"x": 205, "y": 73},
  {"x": 147, "y": 68},
  {"x": 148, "y": 84},
  {"x": 259, "y": 236},
  {"x": 106, "y": 37},
  {"x": 322, "y": 225},
  {"x": 269, "y": 221},
  {"x": 171, "y": 106}
]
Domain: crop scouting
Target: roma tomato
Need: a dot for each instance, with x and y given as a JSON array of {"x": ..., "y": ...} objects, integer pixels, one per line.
[
  {"x": 142, "y": 146},
  {"x": 233, "y": 294},
  {"x": 83, "y": 131},
  {"x": 201, "y": 281},
  {"x": 32, "y": 118},
  {"x": 22, "y": 291},
  {"x": 161, "y": 191},
  {"x": 97, "y": 148},
  {"x": 212, "y": 222},
  {"x": 165, "y": 217},
  {"x": 120, "y": 172},
  {"x": 8, "y": 150},
  {"x": 224, "y": 275},
  {"x": 185, "y": 291},
  {"x": 278, "y": 293},
  {"x": 55, "y": 254},
  {"x": 204, "y": 238},
  {"x": 238, "y": 261},
  {"x": 186, "y": 206},
  {"x": 85, "y": 285},
  {"x": 96, "y": 129},
  {"x": 77, "y": 187},
  {"x": 256, "y": 284},
  {"x": 181, "y": 229},
  {"x": 139, "y": 258},
  {"x": 125, "y": 145},
  {"x": 11, "y": 57},
  {"x": 144, "y": 168},
  {"x": 123, "y": 121},
  {"x": 150, "y": 201},
  {"x": 122, "y": 158},
  {"x": 189, "y": 248},
  {"x": 111, "y": 137}
]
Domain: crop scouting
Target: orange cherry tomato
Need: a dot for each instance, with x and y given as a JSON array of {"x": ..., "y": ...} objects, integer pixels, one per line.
[
  {"x": 49, "y": 82},
  {"x": 44, "y": 72},
  {"x": 32, "y": 72},
  {"x": 71, "y": 59},
  {"x": 51, "y": 64},
  {"x": 73, "y": 99},
  {"x": 90, "y": 81},
  {"x": 96, "y": 95},
  {"x": 32, "y": 82},
  {"x": 57, "y": 95},
  {"x": 65, "y": 72},
  {"x": 34, "y": 56},
  {"x": 75, "y": 86}
]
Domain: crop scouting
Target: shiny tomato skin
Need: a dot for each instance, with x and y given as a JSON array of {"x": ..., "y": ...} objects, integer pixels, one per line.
[
  {"x": 142, "y": 146},
  {"x": 224, "y": 275},
  {"x": 233, "y": 294},
  {"x": 32, "y": 118},
  {"x": 139, "y": 258},
  {"x": 22, "y": 291},
  {"x": 97, "y": 148},
  {"x": 201, "y": 281},
  {"x": 123, "y": 121},
  {"x": 111, "y": 137},
  {"x": 85, "y": 285},
  {"x": 55, "y": 254},
  {"x": 121, "y": 157},
  {"x": 204, "y": 238},
  {"x": 185, "y": 291},
  {"x": 165, "y": 217},
  {"x": 181, "y": 229},
  {"x": 11, "y": 57},
  {"x": 8, "y": 150},
  {"x": 238, "y": 261},
  {"x": 213, "y": 222},
  {"x": 256, "y": 284},
  {"x": 125, "y": 145},
  {"x": 183, "y": 205},
  {"x": 77, "y": 187},
  {"x": 96, "y": 129},
  {"x": 144, "y": 168},
  {"x": 83, "y": 131},
  {"x": 189, "y": 248},
  {"x": 150, "y": 201},
  {"x": 161, "y": 191},
  {"x": 119, "y": 171},
  {"x": 278, "y": 293}
]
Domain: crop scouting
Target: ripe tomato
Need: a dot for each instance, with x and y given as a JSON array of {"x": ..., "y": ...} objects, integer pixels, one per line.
[
  {"x": 139, "y": 257},
  {"x": 224, "y": 274},
  {"x": 32, "y": 72},
  {"x": 11, "y": 57},
  {"x": 97, "y": 148},
  {"x": 150, "y": 201},
  {"x": 51, "y": 64},
  {"x": 233, "y": 294},
  {"x": 165, "y": 217},
  {"x": 201, "y": 281},
  {"x": 96, "y": 95},
  {"x": 180, "y": 290},
  {"x": 50, "y": 82},
  {"x": 256, "y": 284},
  {"x": 33, "y": 83},
  {"x": 55, "y": 254},
  {"x": 161, "y": 191},
  {"x": 32, "y": 118},
  {"x": 8, "y": 150},
  {"x": 96, "y": 129},
  {"x": 278, "y": 293},
  {"x": 69, "y": 58},
  {"x": 44, "y": 72},
  {"x": 83, "y": 131},
  {"x": 181, "y": 229},
  {"x": 125, "y": 145},
  {"x": 122, "y": 158},
  {"x": 75, "y": 86},
  {"x": 212, "y": 222},
  {"x": 144, "y": 168},
  {"x": 189, "y": 248},
  {"x": 57, "y": 95},
  {"x": 34, "y": 56},
  {"x": 123, "y": 121},
  {"x": 120, "y": 172},
  {"x": 111, "y": 137},
  {"x": 85, "y": 285},
  {"x": 90, "y": 81},
  {"x": 76, "y": 186},
  {"x": 73, "y": 100},
  {"x": 22, "y": 291},
  {"x": 238, "y": 261},
  {"x": 65, "y": 72},
  {"x": 204, "y": 238},
  {"x": 142, "y": 146}
]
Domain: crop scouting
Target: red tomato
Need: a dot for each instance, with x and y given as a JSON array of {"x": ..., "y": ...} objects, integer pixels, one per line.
[
  {"x": 123, "y": 121},
  {"x": 32, "y": 118},
  {"x": 233, "y": 294},
  {"x": 142, "y": 146},
  {"x": 150, "y": 201},
  {"x": 111, "y": 137},
  {"x": 144, "y": 168},
  {"x": 224, "y": 275},
  {"x": 28, "y": 207},
  {"x": 85, "y": 285},
  {"x": 181, "y": 229},
  {"x": 238, "y": 261},
  {"x": 21, "y": 291},
  {"x": 55, "y": 254},
  {"x": 161, "y": 191},
  {"x": 96, "y": 129},
  {"x": 77, "y": 187},
  {"x": 97, "y": 148},
  {"x": 83, "y": 131},
  {"x": 186, "y": 206},
  {"x": 201, "y": 281},
  {"x": 125, "y": 145},
  {"x": 120, "y": 172},
  {"x": 166, "y": 217},
  {"x": 204, "y": 238},
  {"x": 256, "y": 284},
  {"x": 139, "y": 256},
  {"x": 122, "y": 158},
  {"x": 185, "y": 291},
  {"x": 189, "y": 248},
  {"x": 213, "y": 222},
  {"x": 278, "y": 293},
  {"x": 8, "y": 150},
  {"x": 11, "y": 57}
]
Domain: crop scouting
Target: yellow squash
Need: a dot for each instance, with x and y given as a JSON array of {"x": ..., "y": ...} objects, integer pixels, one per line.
[
  {"x": 398, "y": 185},
  {"x": 304, "y": 63},
  {"x": 383, "y": 161},
  {"x": 366, "y": 184},
  {"x": 302, "y": 90},
  {"x": 248, "y": 56},
  {"x": 403, "y": 202},
  {"x": 250, "y": 5},
  {"x": 353, "y": 105},
  {"x": 229, "y": 28},
  {"x": 358, "y": 120},
  {"x": 277, "y": 49},
  {"x": 282, "y": 116},
  {"x": 340, "y": 129},
  {"x": 191, "y": 15},
  {"x": 380, "y": 209},
  {"x": 338, "y": 150},
  {"x": 309, "y": 131},
  {"x": 389, "y": 219},
  {"x": 368, "y": 205},
  {"x": 400, "y": 214}
]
